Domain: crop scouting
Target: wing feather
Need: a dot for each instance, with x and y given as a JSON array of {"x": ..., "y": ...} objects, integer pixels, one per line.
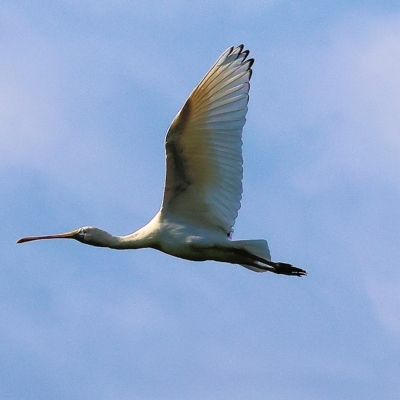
[{"x": 204, "y": 146}]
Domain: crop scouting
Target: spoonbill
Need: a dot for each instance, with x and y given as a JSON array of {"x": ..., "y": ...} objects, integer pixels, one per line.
[{"x": 203, "y": 185}]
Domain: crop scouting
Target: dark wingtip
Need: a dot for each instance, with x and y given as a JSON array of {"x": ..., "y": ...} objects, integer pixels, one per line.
[{"x": 250, "y": 63}]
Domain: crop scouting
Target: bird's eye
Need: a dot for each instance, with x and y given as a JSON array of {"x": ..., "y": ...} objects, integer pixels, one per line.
[{"x": 82, "y": 232}]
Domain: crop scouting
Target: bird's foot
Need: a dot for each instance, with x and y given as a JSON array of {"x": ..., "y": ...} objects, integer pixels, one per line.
[{"x": 288, "y": 269}]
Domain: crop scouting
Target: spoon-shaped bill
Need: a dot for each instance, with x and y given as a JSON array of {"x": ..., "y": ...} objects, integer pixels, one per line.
[{"x": 67, "y": 235}]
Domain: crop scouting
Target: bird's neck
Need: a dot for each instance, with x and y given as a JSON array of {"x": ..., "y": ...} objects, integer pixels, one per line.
[
  {"x": 143, "y": 237},
  {"x": 132, "y": 241}
]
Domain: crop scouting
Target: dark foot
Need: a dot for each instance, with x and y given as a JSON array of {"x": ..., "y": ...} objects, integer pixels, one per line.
[{"x": 288, "y": 269}]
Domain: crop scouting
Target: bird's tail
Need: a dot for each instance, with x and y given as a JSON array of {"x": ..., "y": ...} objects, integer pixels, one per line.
[{"x": 258, "y": 248}]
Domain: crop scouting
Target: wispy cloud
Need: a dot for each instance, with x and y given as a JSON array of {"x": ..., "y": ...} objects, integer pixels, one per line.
[{"x": 89, "y": 89}]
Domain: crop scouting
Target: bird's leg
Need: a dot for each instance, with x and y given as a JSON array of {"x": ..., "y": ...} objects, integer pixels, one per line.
[
  {"x": 286, "y": 269},
  {"x": 275, "y": 267}
]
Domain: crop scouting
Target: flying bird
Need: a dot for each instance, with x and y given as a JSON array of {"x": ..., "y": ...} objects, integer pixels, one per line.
[{"x": 203, "y": 185}]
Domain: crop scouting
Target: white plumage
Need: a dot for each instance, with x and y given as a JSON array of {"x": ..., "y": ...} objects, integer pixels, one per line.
[
  {"x": 203, "y": 186},
  {"x": 204, "y": 145}
]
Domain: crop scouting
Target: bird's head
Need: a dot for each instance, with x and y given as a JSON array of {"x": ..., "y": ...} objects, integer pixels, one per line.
[{"x": 87, "y": 234}]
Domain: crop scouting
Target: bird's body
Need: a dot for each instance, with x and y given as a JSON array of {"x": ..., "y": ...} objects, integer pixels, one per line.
[{"x": 203, "y": 186}]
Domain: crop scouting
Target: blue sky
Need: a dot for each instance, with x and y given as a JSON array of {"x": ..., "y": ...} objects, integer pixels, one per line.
[{"x": 88, "y": 90}]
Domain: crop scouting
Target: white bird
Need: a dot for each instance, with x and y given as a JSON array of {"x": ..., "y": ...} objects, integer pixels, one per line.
[{"x": 203, "y": 186}]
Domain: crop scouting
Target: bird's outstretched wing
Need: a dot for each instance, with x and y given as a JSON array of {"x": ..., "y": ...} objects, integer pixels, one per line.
[{"x": 204, "y": 146}]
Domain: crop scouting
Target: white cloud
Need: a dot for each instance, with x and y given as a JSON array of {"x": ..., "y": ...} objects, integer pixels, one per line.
[
  {"x": 385, "y": 299},
  {"x": 28, "y": 113},
  {"x": 344, "y": 96}
]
